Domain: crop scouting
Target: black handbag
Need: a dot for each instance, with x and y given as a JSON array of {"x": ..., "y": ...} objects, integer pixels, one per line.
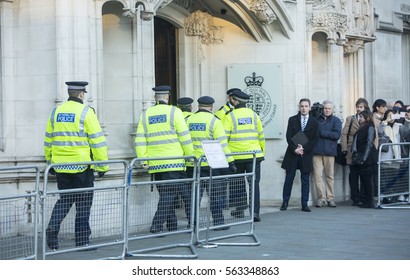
[
  {"x": 357, "y": 158},
  {"x": 340, "y": 158}
]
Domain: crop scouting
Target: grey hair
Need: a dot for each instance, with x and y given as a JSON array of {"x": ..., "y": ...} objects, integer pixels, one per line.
[
  {"x": 163, "y": 97},
  {"x": 327, "y": 101}
]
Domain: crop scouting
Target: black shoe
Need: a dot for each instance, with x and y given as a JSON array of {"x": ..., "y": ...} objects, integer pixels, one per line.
[
  {"x": 355, "y": 203},
  {"x": 306, "y": 209},
  {"x": 51, "y": 238},
  {"x": 154, "y": 229},
  {"x": 256, "y": 218},
  {"x": 284, "y": 206},
  {"x": 238, "y": 214}
]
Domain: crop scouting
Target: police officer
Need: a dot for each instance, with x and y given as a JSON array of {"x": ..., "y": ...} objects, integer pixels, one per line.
[
  {"x": 203, "y": 125},
  {"x": 185, "y": 104},
  {"x": 74, "y": 134},
  {"x": 228, "y": 106},
  {"x": 163, "y": 132},
  {"x": 221, "y": 113},
  {"x": 244, "y": 130}
]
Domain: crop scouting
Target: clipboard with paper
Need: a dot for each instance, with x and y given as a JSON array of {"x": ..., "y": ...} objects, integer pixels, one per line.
[{"x": 300, "y": 138}]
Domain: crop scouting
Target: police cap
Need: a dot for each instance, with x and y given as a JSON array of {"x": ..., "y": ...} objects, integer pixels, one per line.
[
  {"x": 240, "y": 96},
  {"x": 161, "y": 89},
  {"x": 206, "y": 100},
  {"x": 185, "y": 101},
  {"x": 232, "y": 90},
  {"x": 77, "y": 85}
]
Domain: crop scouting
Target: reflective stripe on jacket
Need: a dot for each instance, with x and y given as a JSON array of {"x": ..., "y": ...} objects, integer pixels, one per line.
[
  {"x": 163, "y": 132},
  {"x": 74, "y": 134},
  {"x": 244, "y": 130},
  {"x": 203, "y": 125}
]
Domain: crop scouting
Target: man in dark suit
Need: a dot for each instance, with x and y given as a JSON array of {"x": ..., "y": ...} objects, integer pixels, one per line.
[{"x": 299, "y": 155}]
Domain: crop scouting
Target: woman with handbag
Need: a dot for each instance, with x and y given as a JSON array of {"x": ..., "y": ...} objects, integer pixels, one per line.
[{"x": 364, "y": 156}]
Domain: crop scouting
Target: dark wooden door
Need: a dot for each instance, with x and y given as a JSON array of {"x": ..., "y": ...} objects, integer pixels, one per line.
[{"x": 165, "y": 56}]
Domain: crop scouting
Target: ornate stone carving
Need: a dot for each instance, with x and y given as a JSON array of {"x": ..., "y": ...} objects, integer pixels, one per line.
[
  {"x": 201, "y": 24},
  {"x": 262, "y": 11},
  {"x": 333, "y": 24},
  {"x": 360, "y": 18},
  {"x": 353, "y": 46},
  {"x": 342, "y": 20}
]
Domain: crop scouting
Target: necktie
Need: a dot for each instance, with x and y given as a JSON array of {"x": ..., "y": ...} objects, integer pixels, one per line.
[{"x": 303, "y": 123}]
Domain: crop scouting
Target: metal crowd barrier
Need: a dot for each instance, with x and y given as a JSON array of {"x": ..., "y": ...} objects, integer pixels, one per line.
[
  {"x": 18, "y": 218},
  {"x": 393, "y": 177},
  {"x": 229, "y": 192},
  {"x": 144, "y": 241},
  {"x": 107, "y": 216}
]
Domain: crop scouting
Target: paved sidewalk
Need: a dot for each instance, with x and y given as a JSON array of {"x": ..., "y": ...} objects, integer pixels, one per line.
[{"x": 342, "y": 233}]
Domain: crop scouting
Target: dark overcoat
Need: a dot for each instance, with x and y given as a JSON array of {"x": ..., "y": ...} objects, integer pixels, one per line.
[{"x": 312, "y": 134}]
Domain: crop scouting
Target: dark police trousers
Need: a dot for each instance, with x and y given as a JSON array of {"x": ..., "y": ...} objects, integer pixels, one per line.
[
  {"x": 167, "y": 194},
  {"x": 237, "y": 187},
  {"x": 82, "y": 200}
]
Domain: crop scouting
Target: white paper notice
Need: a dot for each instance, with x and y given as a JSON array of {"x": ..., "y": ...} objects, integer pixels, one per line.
[{"x": 214, "y": 154}]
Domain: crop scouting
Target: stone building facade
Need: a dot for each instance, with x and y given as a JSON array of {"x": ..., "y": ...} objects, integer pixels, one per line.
[{"x": 321, "y": 49}]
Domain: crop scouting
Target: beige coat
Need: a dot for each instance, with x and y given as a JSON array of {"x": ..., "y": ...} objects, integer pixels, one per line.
[
  {"x": 346, "y": 140},
  {"x": 376, "y": 121}
]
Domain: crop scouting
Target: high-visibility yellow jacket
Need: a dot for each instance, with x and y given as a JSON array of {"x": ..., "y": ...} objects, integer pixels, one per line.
[
  {"x": 223, "y": 111},
  {"x": 203, "y": 125},
  {"x": 74, "y": 134},
  {"x": 244, "y": 130},
  {"x": 163, "y": 132},
  {"x": 186, "y": 114}
]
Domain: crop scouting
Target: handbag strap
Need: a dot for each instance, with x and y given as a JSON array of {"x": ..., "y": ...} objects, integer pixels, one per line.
[{"x": 350, "y": 128}]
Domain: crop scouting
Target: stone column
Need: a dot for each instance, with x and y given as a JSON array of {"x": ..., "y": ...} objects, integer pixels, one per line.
[{"x": 6, "y": 72}]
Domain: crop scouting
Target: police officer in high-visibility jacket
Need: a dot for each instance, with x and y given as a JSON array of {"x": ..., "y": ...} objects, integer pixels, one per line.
[
  {"x": 244, "y": 130},
  {"x": 223, "y": 111},
  {"x": 204, "y": 125},
  {"x": 163, "y": 132},
  {"x": 74, "y": 134}
]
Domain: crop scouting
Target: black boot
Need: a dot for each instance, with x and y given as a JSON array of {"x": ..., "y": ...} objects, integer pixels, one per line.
[{"x": 51, "y": 238}]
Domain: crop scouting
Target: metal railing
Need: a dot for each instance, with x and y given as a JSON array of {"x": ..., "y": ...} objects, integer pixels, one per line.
[
  {"x": 121, "y": 213},
  {"x": 18, "y": 216},
  {"x": 107, "y": 215},
  {"x": 176, "y": 238},
  {"x": 393, "y": 177},
  {"x": 233, "y": 193}
]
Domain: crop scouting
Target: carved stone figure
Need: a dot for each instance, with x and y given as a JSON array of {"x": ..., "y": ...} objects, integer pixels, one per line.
[
  {"x": 201, "y": 24},
  {"x": 262, "y": 11}
]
